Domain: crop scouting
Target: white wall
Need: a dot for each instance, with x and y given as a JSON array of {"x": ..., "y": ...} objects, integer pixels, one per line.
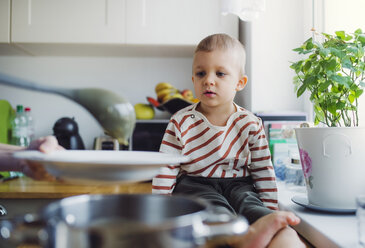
[
  {"x": 133, "y": 78},
  {"x": 283, "y": 26}
]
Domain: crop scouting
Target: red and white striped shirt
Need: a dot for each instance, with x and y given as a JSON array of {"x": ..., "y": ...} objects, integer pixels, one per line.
[{"x": 238, "y": 149}]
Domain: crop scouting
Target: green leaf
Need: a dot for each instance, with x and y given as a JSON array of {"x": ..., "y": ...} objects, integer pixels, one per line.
[
  {"x": 340, "y": 105},
  {"x": 309, "y": 40},
  {"x": 319, "y": 113},
  {"x": 351, "y": 98},
  {"x": 353, "y": 88},
  {"x": 340, "y": 34},
  {"x": 358, "y": 93},
  {"x": 309, "y": 45},
  {"x": 358, "y": 31},
  {"x": 334, "y": 89},
  {"x": 332, "y": 108},
  {"x": 297, "y": 66},
  {"x": 361, "y": 38},
  {"x": 348, "y": 37},
  {"x": 346, "y": 63},
  {"x": 331, "y": 65},
  {"x": 352, "y": 49},
  {"x": 307, "y": 51},
  {"x": 362, "y": 84},
  {"x": 338, "y": 53},
  {"x": 307, "y": 66},
  {"x": 317, "y": 70},
  {"x": 296, "y": 82},
  {"x": 328, "y": 36},
  {"x": 360, "y": 52},
  {"x": 324, "y": 52},
  {"x": 309, "y": 80},
  {"x": 316, "y": 122},
  {"x": 301, "y": 90},
  {"x": 299, "y": 49},
  {"x": 341, "y": 80},
  {"x": 324, "y": 86}
]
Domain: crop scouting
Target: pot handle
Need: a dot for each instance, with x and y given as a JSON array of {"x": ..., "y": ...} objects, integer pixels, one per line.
[
  {"x": 218, "y": 228},
  {"x": 27, "y": 229}
]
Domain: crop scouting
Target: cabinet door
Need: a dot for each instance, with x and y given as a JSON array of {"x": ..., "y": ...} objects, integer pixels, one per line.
[
  {"x": 68, "y": 21},
  {"x": 175, "y": 22},
  {"x": 4, "y": 21}
]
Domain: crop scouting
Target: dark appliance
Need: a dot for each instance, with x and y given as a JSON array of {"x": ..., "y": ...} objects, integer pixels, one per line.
[
  {"x": 147, "y": 135},
  {"x": 66, "y": 131}
]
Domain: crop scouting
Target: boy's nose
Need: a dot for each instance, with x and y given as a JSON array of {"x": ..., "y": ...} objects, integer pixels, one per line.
[{"x": 209, "y": 81}]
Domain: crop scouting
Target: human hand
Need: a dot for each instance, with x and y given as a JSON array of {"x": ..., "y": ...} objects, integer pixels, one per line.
[
  {"x": 263, "y": 231},
  {"x": 36, "y": 170}
]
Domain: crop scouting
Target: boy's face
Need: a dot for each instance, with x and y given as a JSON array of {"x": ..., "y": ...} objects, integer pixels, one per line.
[{"x": 217, "y": 77}]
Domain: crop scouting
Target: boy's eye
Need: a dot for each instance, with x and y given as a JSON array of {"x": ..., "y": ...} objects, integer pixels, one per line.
[
  {"x": 220, "y": 74},
  {"x": 200, "y": 74}
]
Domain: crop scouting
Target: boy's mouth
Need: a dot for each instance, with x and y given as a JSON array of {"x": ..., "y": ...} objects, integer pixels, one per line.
[{"x": 209, "y": 93}]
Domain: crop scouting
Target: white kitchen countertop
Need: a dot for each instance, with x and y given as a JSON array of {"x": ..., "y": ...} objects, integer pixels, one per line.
[{"x": 319, "y": 228}]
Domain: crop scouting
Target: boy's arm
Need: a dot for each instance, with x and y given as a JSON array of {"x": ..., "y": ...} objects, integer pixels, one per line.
[
  {"x": 165, "y": 181},
  {"x": 261, "y": 168}
]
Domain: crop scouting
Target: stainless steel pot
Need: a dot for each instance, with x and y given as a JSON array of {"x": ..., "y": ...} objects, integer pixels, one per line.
[{"x": 122, "y": 221}]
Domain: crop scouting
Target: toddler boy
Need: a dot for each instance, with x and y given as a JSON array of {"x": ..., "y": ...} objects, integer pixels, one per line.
[{"x": 230, "y": 158}]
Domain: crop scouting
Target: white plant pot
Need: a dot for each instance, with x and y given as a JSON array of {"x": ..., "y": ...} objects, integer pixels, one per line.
[{"x": 333, "y": 161}]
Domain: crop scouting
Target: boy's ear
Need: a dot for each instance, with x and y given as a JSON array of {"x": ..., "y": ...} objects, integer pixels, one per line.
[
  {"x": 241, "y": 83},
  {"x": 192, "y": 79}
]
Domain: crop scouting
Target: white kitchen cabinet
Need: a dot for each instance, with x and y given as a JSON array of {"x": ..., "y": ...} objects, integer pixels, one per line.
[
  {"x": 4, "y": 21},
  {"x": 150, "y": 22},
  {"x": 175, "y": 22},
  {"x": 68, "y": 21}
]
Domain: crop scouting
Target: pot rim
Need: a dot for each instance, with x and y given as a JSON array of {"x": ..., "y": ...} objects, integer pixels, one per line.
[{"x": 47, "y": 212}]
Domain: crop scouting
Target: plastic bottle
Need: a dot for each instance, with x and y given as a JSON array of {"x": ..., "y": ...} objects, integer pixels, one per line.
[
  {"x": 19, "y": 133},
  {"x": 20, "y": 128},
  {"x": 30, "y": 123}
]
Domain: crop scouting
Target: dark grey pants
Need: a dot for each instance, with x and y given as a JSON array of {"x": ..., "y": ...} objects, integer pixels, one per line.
[{"x": 227, "y": 195}]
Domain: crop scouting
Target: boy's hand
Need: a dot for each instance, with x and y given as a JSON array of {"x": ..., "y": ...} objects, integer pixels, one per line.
[
  {"x": 262, "y": 232},
  {"x": 36, "y": 170}
]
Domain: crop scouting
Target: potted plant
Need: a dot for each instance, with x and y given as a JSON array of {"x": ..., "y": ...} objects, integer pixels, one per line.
[{"x": 332, "y": 71}]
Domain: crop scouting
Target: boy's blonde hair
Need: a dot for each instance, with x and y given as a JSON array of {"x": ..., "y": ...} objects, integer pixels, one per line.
[{"x": 223, "y": 41}]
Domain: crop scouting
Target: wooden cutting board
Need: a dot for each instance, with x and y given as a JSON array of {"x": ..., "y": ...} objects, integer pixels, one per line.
[{"x": 25, "y": 188}]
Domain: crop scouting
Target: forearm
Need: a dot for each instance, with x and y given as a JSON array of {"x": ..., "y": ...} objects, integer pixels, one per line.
[{"x": 7, "y": 161}]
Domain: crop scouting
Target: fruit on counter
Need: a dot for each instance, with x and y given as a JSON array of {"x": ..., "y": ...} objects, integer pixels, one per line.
[
  {"x": 171, "y": 96},
  {"x": 166, "y": 91},
  {"x": 187, "y": 94},
  {"x": 166, "y": 94},
  {"x": 153, "y": 101},
  {"x": 144, "y": 111},
  {"x": 162, "y": 86}
]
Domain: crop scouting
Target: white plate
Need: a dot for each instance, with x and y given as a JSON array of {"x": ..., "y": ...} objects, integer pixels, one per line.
[
  {"x": 303, "y": 201},
  {"x": 89, "y": 166}
]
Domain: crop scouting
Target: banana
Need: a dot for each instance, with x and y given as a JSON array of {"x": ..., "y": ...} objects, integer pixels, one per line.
[
  {"x": 166, "y": 92},
  {"x": 162, "y": 86},
  {"x": 171, "y": 96}
]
